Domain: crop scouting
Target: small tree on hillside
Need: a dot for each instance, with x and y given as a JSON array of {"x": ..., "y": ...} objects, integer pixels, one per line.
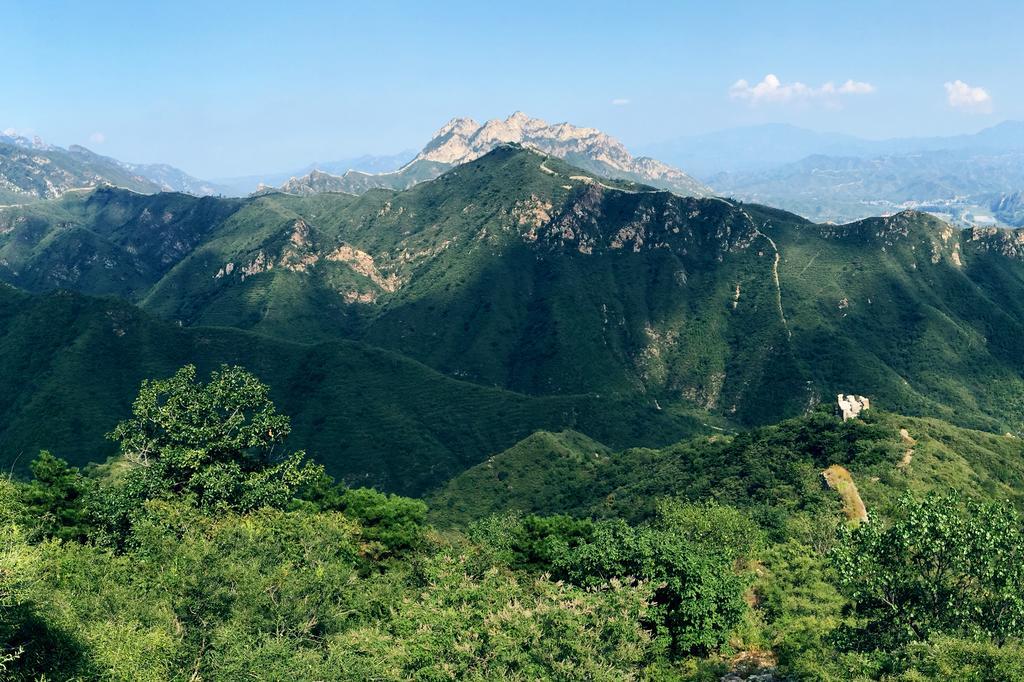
[
  {"x": 214, "y": 444},
  {"x": 54, "y": 500},
  {"x": 690, "y": 554}
]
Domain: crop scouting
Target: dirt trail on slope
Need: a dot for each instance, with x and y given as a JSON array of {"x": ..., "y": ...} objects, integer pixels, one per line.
[
  {"x": 839, "y": 479},
  {"x": 775, "y": 274},
  {"x": 909, "y": 454}
]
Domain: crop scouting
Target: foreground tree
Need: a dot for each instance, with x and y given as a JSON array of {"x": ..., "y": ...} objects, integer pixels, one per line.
[
  {"x": 215, "y": 444},
  {"x": 942, "y": 566},
  {"x": 690, "y": 553},
  {"x": 54, "y": 500}
]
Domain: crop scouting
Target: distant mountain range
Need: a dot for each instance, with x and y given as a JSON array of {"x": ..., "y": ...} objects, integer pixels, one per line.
[
  {"x": 462, "y": 140},
  {"x": 366, "y": 163},
  {"x": 758, "y": 148},
  {"x": 834, "y": 177},
  {"x": 968, "y": 180},
  {"x": 31, "y": 169},
  {"x": 13, "y": 138},
  {"x": 843, "y": 188}
]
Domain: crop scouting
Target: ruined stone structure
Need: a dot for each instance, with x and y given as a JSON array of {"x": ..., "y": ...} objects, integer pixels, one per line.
[{"x": 852, "y": 405}]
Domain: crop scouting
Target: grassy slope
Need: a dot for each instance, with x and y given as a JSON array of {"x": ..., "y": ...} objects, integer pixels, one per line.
[
  {"x": 774, "y": 471},
  {"x": 544, "y": 471},
  {"x": 70, "y": 366}
]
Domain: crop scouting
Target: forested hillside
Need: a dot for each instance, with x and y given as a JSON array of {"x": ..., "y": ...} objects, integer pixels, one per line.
[
  {"x": 72, "y": 364},
  {"x": 540, "y": 283},
  {"x": 208, "y": 549}
]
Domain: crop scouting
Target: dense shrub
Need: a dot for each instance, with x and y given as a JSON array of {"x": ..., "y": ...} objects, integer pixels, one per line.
[{"x": 940, "y": 566}]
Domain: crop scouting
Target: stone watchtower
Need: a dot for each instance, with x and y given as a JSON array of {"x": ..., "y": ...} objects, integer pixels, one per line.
[{"x": 852, "y": 405}]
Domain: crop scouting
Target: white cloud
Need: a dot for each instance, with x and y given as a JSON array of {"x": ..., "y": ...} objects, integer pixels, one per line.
[
  {"x": 772, "y": 90},
  {"x": 97, "y": 138},
  {"x": 960, "y": 95},
  {"x": 620, "y": 101},
  {"x": 851, "y": 87}
]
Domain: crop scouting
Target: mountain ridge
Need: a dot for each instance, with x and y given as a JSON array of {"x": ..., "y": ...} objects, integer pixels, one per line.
[
  {"x": 520, "y": 271},
  {"x": 32, "y": 170},
  {"x": 462, "y": 140}
]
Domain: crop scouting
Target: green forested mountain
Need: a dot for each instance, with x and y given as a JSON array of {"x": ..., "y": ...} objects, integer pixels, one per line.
[
  {"x": 108, "y": 241},
  {"x": 520, "y": 272},
  {"x": 70, "y": 365}
]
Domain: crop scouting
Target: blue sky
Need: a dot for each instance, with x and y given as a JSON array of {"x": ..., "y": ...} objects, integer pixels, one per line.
[{"x": 226, "y": 88}]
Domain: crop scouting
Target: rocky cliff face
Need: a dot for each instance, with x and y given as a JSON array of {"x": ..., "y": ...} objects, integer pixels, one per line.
[
  {"x": 463, "y": 139},
  {"x": 32, "y": 170}
]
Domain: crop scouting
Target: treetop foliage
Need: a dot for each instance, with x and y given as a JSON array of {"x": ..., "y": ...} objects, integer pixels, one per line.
[
  {"x": 230, "y": 418},
  {"x": 943, "y": 565}
]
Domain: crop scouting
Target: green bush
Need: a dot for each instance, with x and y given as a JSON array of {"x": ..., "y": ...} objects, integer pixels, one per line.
[
  {"x": 214, "y": 444},
  {"x": 941, "y": 566},
  {"x": 690, "y": 554}
]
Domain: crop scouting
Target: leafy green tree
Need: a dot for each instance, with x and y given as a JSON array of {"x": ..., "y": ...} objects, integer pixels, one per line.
[
  {"x": 54, "y": 501},
  {"x": 698, "y": 597},
  {"x": 391, "y": 524},
  {"x": 217, "y": 444},
  {"x": 531, "y": 542},
  {"x": 942, "y": 566}
]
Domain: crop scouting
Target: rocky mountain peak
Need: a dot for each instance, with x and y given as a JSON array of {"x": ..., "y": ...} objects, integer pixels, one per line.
[
  {"x": 462, "y": 140},
  {"x": 519, "y": 118},
  {"x": 457, "y": 126},
  {"x": 12, "y": 137}
]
